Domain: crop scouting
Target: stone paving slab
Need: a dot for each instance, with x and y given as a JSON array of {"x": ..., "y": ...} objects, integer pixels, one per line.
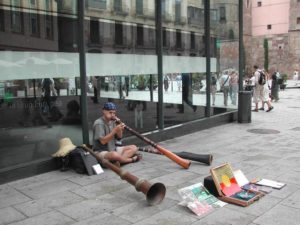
[
  {"x": 279, "y": 215},
  {"x": 9, "y": 215},
  {"x": 50, "y": 218},
  {"x": 69, "y": 198},
  {"x": 10, "y": 196},
  {"x": 93, "y": 207},
  {"x": 46, "y": 204},
  {"x": 45, "y": 189},
  {"x": 226, "y": 216}
]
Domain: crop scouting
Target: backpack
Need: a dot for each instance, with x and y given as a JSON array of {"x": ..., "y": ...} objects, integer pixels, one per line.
[
  {"x": 262, "y": 78},
  {"x": 81, "y": 161},
  {"x": 213, "y": 81}
]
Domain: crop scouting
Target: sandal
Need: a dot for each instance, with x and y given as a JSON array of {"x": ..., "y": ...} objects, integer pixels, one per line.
[
  {"x": 136, "y": 158},
  {"x": 270, "y": 109}
]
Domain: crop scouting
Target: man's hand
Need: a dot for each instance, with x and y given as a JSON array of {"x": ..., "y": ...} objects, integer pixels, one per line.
[{"x": 119, "y": 128}]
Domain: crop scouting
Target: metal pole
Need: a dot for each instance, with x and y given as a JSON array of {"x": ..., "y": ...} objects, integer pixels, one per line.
[
  {"x": 207, "y": 53},
  {"x": 241, "y": 49},
  {"x": 159, "y": 64},
  {"x": 83, "y": 96}
]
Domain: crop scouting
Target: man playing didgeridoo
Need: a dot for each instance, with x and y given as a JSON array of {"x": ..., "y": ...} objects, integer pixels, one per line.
[{"x": 105, "y": 134}]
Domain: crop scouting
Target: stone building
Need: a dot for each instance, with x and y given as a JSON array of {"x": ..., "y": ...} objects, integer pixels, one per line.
[{"x": 279, "y": 23}]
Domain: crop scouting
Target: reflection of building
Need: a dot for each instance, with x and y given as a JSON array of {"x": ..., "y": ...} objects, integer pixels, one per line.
[{"x": 27, "y": 26}]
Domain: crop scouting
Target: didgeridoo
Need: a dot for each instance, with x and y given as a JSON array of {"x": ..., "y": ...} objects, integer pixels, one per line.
[
  {"x": 203, "y": 158},
  {"x": 155, "y": 193},
  {"x": 180, "y": 161}
]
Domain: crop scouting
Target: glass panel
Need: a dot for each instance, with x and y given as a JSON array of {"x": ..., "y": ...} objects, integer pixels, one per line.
[
  {"x": 183, "y": 61},
  {"x": 122, "y": 67},
  {"x": 39, "y": 91},
  {"x": 225, "y": 47}
]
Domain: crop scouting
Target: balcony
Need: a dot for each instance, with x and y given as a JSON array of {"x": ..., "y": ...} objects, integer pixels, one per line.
[
  {"x": 120, "y": 10},
  {"x": 146, "y": 13},
  {"x": 167, "y": 17},
  {"x": 195, "y": 22}
]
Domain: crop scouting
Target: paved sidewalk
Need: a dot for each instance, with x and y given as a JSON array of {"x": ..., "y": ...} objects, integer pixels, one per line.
[{"x": 69, "y": 198}]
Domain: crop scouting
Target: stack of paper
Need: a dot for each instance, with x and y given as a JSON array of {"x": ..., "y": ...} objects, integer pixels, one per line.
[
  {"x": 270, "y": 183},
  {"x": 197, "y": 198}
]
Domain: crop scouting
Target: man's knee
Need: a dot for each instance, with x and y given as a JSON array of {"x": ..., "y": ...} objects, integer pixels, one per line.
[
  {"x": 133, "y": 147},
  {"x": 113, "y": 156}
]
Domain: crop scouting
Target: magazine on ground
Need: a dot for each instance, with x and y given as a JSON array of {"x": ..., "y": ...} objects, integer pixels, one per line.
[
  {"x": 270, "y": 183},
  {"x": 197, "y": 198}
]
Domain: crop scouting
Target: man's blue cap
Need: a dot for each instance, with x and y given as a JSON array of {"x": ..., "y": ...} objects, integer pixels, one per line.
[{"x": 109, "y": 106}]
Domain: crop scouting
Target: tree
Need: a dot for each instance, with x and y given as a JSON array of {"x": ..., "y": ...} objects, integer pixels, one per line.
[{"x": 266, "y": 52}]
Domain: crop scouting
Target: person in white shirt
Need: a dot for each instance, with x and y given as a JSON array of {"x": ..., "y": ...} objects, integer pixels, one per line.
[
  {"x": 296, "y": 75},
  {"x": 261, "y": 91}
]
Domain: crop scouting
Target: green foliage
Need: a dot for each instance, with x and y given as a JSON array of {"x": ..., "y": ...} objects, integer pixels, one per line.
[{"x": 266, "y": 52}]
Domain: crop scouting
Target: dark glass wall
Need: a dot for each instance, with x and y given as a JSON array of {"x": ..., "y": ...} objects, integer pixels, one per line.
[
  {"x": 40, "y": 84},
  {"x": 39, "y": 73}
]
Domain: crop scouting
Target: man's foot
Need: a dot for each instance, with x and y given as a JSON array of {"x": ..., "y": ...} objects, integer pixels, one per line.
[
  {"x": 254, "y": 110},
  {"x": 137, "y": 157},
  {"x": 261, "y": 108},
  {"x": 270, "y": 109}
]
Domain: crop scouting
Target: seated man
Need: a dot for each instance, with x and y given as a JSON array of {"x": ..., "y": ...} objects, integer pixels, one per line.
[{"x": 105, "y": 134}]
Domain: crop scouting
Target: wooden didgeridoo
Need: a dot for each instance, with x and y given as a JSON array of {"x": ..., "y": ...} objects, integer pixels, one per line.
[
  {"x": 203, "y": 158},
  {"x": 155, "y": 193},
  {"x": 180, "y": 161}
]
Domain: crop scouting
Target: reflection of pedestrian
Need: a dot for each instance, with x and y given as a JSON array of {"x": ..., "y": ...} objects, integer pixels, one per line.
[
  {"x": 234, "y": 86},
  {"x": 187, "y": 93},
  {"x": 224, "y": 82},
  {"x": 96, "y": 86},
  {"x": 179, "y": 82},
  {"x": 47, "y": 91},
  {"x": 166, "y": 82},
  {"x": 126, "y": 85},
  {"x": 139, "y": 107},
  {"x": 213, "y": 89}
]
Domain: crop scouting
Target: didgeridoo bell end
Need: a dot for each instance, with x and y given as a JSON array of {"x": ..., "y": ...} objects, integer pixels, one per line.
[{"x": 156, "y": 193}]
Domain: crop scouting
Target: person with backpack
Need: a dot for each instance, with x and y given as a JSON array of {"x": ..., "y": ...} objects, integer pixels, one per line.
[
  {"x": 261, "y": 91},
  {"x": 106, "y": 132}
]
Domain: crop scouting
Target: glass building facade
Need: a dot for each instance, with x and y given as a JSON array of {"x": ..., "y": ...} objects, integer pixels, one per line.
[{"x": 152, "y": 65}]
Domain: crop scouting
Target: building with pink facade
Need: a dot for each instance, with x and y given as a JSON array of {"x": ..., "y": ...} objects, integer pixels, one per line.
[
  {"x": 277, "y": 21},
  {"x": 270, "y": 17}
]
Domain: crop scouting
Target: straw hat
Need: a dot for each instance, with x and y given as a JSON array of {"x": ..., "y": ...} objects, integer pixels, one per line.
[{"x": 65, "y": 146}]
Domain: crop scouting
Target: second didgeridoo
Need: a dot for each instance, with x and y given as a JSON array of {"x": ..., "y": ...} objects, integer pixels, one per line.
[
  {"x": 180, "y": 161},
  {"x": 203, "y": 158}
]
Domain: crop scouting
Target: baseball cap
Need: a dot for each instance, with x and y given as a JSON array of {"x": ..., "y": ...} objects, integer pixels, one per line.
[{"x": 109, "y": 106}]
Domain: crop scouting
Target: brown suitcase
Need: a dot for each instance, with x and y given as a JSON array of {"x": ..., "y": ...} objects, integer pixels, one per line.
[{"x": 228, "y": 188}]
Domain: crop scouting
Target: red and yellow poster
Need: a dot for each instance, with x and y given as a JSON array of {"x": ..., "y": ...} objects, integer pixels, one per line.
[{"x": 226, "y": 180}]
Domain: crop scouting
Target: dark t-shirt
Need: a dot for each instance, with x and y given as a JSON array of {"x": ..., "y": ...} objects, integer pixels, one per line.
[{"x": 101, "y": 129}]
